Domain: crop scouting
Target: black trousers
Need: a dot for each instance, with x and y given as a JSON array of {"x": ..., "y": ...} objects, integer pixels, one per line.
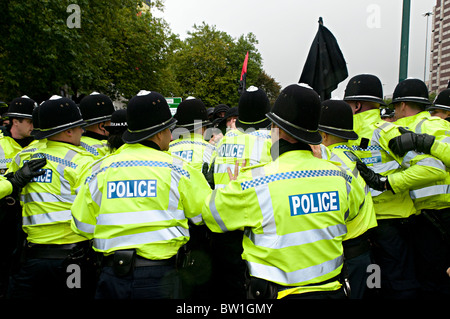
[
  {"x": 393, "y": 252},
  {"x": 432, "y": 253},
  {"x": 148, "y": 282}
]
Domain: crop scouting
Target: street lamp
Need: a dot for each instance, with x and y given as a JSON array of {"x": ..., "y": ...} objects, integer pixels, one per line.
[{"x": 428, "y": 14}]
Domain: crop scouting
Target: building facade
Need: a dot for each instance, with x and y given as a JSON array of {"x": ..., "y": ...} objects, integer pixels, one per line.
[{"x": 440, "y": 47}]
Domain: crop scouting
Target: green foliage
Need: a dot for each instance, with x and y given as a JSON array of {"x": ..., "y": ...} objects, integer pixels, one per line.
[{"x": 118, "y": 50}]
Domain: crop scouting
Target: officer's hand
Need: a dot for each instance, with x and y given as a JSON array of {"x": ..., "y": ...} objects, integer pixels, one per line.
[
  {"x": 410, "y": 141},
  {"x": 209, "y": 174},
  {"x": 26, "y": 173},
  {"x": 234, "y": 176},
  {"x": 374, "y": 180}
]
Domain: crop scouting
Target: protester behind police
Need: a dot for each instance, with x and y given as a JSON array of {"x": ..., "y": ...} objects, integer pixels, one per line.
[
  {"x": 136, "y": 204},
  {"x": 18, "y": 134},
  {"x": 51, "y": 244},
  {"x": 15, "y": 137},
  {"x": 116, "y": 128},
  {"x": 189, "y": 144},
  {"x": 441, "y": 105},
  {"x": 248, "y": 144},
  {"x": 432, "y": 226},
  {"x": 390, "y": 177},
  {"x": 336, "y": 129},
  {"x": 96, "y": 110},
  {"x": 290, "y": 251}
]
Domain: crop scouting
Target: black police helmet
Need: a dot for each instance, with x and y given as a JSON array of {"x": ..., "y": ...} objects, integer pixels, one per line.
[
  {"x": 147, "y": 114},
  {"x": 337, "y": 119},
  {"x": 297, "y": 111},
  {"x": 56, "y": 115},
  {"x": 411, "y": 90},
  {"x": 253, "y": 106},
  {"x": 442, "y": 101},
  {"x": 118, "y": 121},
  {"x": 364, "y": 87},
  {"x": 191, "y": 114},
  {"x": 21, "y": 107},
  {"x": 96, "y": 108}
]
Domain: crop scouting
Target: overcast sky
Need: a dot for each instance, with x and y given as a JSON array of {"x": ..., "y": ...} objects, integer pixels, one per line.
[{"x": 368, "y": 32}]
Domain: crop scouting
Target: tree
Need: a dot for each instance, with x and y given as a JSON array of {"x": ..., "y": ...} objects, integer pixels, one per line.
[
  {"x": 209, "y": 62},
  {"x": 118, "y": 49}
]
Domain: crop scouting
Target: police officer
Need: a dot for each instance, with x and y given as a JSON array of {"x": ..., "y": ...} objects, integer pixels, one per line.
[
  {"x": 16, "y": 137},
  {"x": 116, "y": 128},
  {"x": 441, "y": 105},
  {"x": 188, "y": 143},
  {"x": 248, "y": 144},
  {"x": 292, "y": 207},
  {"x": 96, "y": 110},
  {"x": 15, "y": 182},
  {"x": 410, "y": 100},
  {"x": 391, "y": 177},
  {"x": 136, "y": 205},
  {"x": 51, "y": 244},
  {"x": 19, "y": 129},
  {"x": 336, "y": 129}
]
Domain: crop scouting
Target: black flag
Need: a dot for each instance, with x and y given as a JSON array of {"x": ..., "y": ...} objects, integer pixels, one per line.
[{"x": 325, "y": 66}]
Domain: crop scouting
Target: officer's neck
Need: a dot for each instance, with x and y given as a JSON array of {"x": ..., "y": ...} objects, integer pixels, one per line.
[
  {"x": 150, "y": 144},
  {"x": 284, "y": 146},
  {"x": 95, "y": 135}
]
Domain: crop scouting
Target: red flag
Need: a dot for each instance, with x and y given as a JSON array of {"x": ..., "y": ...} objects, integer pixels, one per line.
[{"x": 242, "y": 85}]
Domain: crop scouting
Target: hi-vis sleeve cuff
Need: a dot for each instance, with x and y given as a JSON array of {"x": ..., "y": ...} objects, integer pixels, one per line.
[
  {"x": 82, "y": 229},
  {"x": 5, "y": 188},
  {"x": 441, "y": 150},
  {"x": 425, "y": 171}
]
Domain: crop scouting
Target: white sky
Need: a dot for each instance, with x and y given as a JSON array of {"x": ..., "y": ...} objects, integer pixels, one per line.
[{"x": 368, "y": 32}]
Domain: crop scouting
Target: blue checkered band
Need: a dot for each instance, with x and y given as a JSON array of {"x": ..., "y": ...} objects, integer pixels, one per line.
[
  {"x": 260, "y": 134},
  {"x": 28, "y": 150},
  {"x": 231, "y": 134},
  {"x": 192, "y": 143},
  {"x": 345, "y": 147},
  {"x": 5, "y": 160},
  {"x": 89, "y": 148},
  {"x": 140, "y": 163},
  {"x": 370, "y": 148},
  {"x": 55, "y": 159},
  {"x": 292, "y": 175}
]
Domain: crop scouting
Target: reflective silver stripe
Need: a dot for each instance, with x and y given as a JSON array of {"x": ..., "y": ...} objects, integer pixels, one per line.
[
  {"x": 385, "y": 167},
  {"x": 174, "y": 194},
  {"x": 147, "y": 216},
  {"x": 165, "y": 234},
  {"x": 86, "y": 228},
  {"x": 222, "y": 168},
  {"x": 47, "y": 197},
  {"x": 48, "y": 218},
  {"x": 445, "y": 140},
  {"x": 275, "y": 274},
  {"x": 275, "y": 241},
  {"x": 419, "y": 126},
  {"x": 215, "y": 213},
  {"x": 430, "y": 191},
  {"x": 258, "y": 146},
  {"x": 432, "y": 162},
  {"x": 196, "y": 219}
]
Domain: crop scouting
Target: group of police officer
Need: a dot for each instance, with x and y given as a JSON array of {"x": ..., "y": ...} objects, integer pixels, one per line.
[{"x": 294, "y": 200}]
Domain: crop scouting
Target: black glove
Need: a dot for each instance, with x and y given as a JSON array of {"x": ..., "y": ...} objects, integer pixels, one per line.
[
  {"x": 374, "y": 180},
  {"x": 410, "y": 141},
  {"x": 209, "y": 174},
  {"x": 26, "y": 173}
]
